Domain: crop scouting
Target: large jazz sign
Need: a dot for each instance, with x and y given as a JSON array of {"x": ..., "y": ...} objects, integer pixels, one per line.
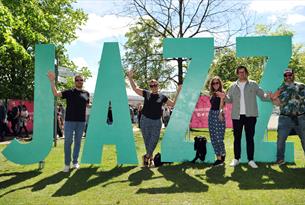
[{"x": 110, "y": 86}]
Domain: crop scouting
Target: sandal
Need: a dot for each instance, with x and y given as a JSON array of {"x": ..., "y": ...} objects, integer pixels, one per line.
[
  {"x": 151, "y": 163},
  {"x": 145, "y": 160}
]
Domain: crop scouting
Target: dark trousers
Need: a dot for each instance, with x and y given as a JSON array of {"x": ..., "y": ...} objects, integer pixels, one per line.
[
  {"x": 238, "y": 125},
  {"x": 2, "y": 130},
  {"x": 15, "y": 126},
  {"x": 25, "y": 129}
]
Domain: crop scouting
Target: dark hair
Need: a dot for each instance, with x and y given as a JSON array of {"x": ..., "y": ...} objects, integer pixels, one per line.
[
  {"x": 220, "y": 89},
  {"x": 78, "y": 76},
  {"x": 241, "y": 67}
]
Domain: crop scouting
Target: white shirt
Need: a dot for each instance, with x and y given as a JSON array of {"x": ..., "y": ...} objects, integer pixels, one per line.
[{"x": 241, "y": 86}]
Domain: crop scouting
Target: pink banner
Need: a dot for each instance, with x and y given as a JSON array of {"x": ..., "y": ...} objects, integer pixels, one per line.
[
  {"x": 30, "y": 107},
  {"x": 201, "y": 113}
]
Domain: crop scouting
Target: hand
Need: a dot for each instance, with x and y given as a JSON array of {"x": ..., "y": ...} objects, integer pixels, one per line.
[
  {"x": 220, "y": 94},
  {"x": 51, "y": 75},
  {"x": 276, "y": 94},
  {"x": 221, "y": 116},
  {"x": 179, "y": 87},
  {"x": 130, "y": 74}
]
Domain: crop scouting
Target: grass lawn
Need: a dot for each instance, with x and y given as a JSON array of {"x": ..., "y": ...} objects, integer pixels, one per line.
[{"x": 180, "y": 183}]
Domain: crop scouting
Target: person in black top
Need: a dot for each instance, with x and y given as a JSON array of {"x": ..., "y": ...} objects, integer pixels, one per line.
[
  {"x": 151, "y": 115},
  {"x": 2, "y": 120},
  {"x": 216, "y": 121},
  {"x": 15, "y": 119},
  {"x": 140, "y": 107},
  {"x": 75, "y": 119}
]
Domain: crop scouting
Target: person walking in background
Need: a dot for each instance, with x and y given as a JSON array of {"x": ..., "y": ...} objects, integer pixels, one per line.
[
  {"x": 291, "y": 98},
  {"x": 166, "y": 115},
  {"x": 75, "y": 119},
  {"x": 140, "y": 107},
  {"x": 15, "y": 119},
  {"x": 216, "y": 121},
  {"x": 59, "y": 121},
  {"x": 23, "y": 119},
  {"x": 2, "y": 120},
  {"x": 151, "y": 115},
  {"x": 242, "y": 94}
]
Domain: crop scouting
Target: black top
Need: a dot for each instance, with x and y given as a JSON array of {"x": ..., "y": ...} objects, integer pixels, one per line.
[
  {"x": 15, "y": 111},
  {"x": 77, "y": 101},
  {"x": 2, "y": 113},
  {"x": 153, "y": 104},
  {"x": 215, "y": 102}
]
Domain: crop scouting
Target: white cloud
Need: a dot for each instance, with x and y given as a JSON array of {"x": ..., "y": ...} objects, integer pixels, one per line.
[
  {"x": 295, "y": 18},
  {"x": 80, "y": 62},
  {"x": 276, "y": 5},
  {"x": 100, "y": 27},
  {"x": 272, "y": 18},
  {"x": 90, "y": 83}
]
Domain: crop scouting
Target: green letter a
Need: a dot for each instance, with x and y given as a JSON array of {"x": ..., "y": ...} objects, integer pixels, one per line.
[{"x": 110, "y": 86}]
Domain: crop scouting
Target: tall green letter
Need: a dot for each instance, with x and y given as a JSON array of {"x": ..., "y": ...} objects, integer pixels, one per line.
[
  {"x": 277, "y": 49},
  {"x": 41, "y": 144},
  {"x": 110, "y": 86},
  {"x": 200, "y": 50}
]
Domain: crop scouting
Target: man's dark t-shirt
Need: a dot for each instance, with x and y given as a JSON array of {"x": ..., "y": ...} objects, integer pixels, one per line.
[
  {"x": 153, "y": 104},
  {"x": 15, "y": 111},
  {"x": 77, "y": 101}
]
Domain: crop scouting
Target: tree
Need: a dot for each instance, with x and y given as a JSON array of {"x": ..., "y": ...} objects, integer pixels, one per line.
[
  {"x": 226, "y": 60},
  {"x": 297, "y": 61},
  {"x": 180, "y": 19},
  {"x": 24, "y": 24},
  {"x": 143, "y": 54}
]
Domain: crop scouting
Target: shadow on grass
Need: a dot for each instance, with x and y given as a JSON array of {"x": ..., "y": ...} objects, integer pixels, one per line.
[
  {"x": 216, "y": 175},
  {"x": 18, "y": 177},
  {"x": 137, "y": 178},
  {"x": 80, "y": 180},
  {"x": 181, "y": 181},
  {"x": 266, "y": 177},
  {"x": 54, "y": 179}
]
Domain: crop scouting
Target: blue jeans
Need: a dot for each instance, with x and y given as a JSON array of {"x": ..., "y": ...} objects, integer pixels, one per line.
[
  {"x": 76, "y": 128},
  {"x": 286, "y": 124}
]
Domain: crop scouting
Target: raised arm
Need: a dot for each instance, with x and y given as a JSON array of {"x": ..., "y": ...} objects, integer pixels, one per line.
[
  {"x": 51, "y": 76},
  {"x": 171, "y": 103},
  {"x": 133, "y": 84}
]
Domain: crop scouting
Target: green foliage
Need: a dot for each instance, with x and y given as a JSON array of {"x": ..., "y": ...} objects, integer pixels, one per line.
[
  {"x": 144, "y": 55},
  {"x": 297, "y": 62},
  {"x": 226, "y": 61},
  {"x": 24, "y": 24}
]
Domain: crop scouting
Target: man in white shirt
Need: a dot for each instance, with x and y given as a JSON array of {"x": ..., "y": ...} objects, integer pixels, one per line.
[{"x": 242, "y": 94}]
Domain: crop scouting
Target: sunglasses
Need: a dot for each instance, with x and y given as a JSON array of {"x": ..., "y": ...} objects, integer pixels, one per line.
[
  {"x": 287, "y": 75},
  {"x": 153, "y": 85},
  {"x": 215, "y": 83},
  {"x": 79, "y": 80}
]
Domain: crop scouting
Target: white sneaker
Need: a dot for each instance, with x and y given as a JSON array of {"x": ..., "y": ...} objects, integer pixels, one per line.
[
  {"x": 75, "y": 166},
  {"x": 252, "y": 164},
  {"x": 234, "y": 163},
  {"x": 67, "y": 168}
]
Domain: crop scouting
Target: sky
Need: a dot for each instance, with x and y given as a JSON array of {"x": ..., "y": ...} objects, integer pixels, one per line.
[{"x": 104, "y": 25}]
